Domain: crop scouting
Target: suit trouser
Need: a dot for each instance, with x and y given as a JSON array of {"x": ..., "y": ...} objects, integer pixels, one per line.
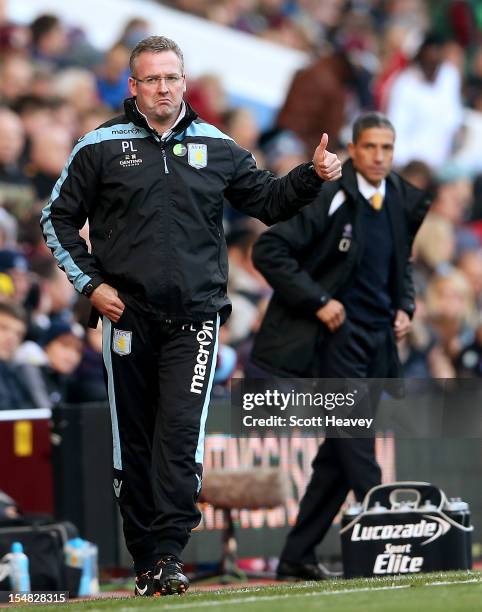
[
  {"x": 341, "y": 464},
  {"x": 159, "y": 379}
]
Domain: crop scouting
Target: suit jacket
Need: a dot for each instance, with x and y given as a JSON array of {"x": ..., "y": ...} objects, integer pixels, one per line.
[{"x": 316, "y": 254}]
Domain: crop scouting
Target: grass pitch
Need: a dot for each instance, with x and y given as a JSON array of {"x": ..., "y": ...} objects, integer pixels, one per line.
[{"x": 447, "y": 592}]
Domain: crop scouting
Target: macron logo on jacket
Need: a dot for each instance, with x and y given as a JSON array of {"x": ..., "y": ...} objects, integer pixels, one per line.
[{"x": 205, "y": 338}]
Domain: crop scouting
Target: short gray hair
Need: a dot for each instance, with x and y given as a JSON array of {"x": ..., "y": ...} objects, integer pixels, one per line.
[
  {"x": 156, "y": 44},
  {"x": 370, "y": 120}
]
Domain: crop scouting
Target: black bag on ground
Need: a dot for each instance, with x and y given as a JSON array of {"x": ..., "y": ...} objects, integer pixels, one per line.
[{"x": 44, "y": 546}]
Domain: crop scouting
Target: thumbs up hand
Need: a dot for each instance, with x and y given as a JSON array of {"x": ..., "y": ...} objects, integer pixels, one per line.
[{"x": 327, "y": 165}]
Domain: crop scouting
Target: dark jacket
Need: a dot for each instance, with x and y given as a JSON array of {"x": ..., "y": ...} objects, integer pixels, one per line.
[
  {"x": 314, "y": 256},
  {"x": 155, "y": 212},
  {"x": 14, "y": 389}
]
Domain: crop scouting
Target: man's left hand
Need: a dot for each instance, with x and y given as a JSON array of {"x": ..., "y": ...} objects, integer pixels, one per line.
[
  {"x": 327, "y": 165},
  {"x": 401, "y": 324}
]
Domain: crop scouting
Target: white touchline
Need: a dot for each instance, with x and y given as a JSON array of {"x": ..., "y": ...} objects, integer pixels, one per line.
[
  {"x": 255, "y": 599},
  {"x": 447, "y": 582}
]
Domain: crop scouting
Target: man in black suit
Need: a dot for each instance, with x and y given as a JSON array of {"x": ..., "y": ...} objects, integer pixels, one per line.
[{"x": 343, "y": 296}]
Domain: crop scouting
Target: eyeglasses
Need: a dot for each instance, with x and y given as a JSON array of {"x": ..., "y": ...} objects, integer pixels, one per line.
[{"x": 152, "y": 81}]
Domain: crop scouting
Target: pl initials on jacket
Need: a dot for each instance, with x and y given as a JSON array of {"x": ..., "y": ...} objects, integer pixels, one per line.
[{"x": 155, "y": 210}]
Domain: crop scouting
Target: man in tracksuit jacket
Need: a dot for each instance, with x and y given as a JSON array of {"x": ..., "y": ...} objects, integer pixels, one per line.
[
  {"x": 152, "y": 183},
  {"x": 343, "y": 295}
]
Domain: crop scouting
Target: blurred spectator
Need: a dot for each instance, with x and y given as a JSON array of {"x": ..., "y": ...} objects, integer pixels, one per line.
[
  {"x": 283, "y": 151},
  {"x": 15, "y": 265},
  {"x": 54, "y": 362},
  {"x": 434, "y": 245},
  {"x": 35, "y": 113},
  {"x": 16, "y": 191},
  {"x": 457, "y": 19},
  {"x": 414, "y": 349},
  {"x": 88, "y": 384},
  {"x": 8, "y": 230},
  {"x": 57, "y": 294},
  {"x": 452, "y": 201},
  {"x": 419, "y": 174},
  {"x": 6, "y": 288},
  {"x": 65, "y": 116},
  {"x": 92, "y": 119},
  {"x": 240, "y": 124},
  {"x": 412, "y": 13},
  {"x": 224, "y": 13},
  {"x": 246, "y": 287},
  {"x": 467, "y": 155},
  {"x": 14, "y": 390},
  {"x": 56, "y": 46},
  {"x": 226, "y": 368},
  {"x": 11, "y": 143},
  {"x": 31, "y": 239},
  {"x": 425, "y": 106},
  {"x": 63, "y": 343},
  {"x": 451, "y": 316},
  {"x": 49, "y": 40},
  {"x": 396, "y": 48},
  {"x": 287, "y": 33},
  {"x": 318, "y": 99},
  {"x": 300, "y": 25},
  {"x": 77, "y": 86},
  {"x": 13, "y": 37},
  {"x": 474, "y": 79},
  {"x": 135, "y": 30},
  {"x": 434, "y": 248},
  {"x": 9, "y": 509},
  {"x": 112, "y": 77},
  {"x": 196, "y": 7},
  {"x": 470, "y": 263},
  {"x": 43, "y": 81},
  {"x": 16, "y": 75},
  {"x": 207, "y": 96},
  {"x": 469, "y": 363},
  {"x": 50, "y": 148}
]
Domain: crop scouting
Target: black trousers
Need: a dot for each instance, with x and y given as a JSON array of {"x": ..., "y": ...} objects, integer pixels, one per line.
[
  {"x": 159, "y": 379},
  {"x": 341, "y": 464}
]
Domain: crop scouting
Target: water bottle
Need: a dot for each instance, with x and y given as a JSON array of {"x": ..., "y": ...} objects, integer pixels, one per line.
[
  {"x": 378, "y": 508},
  {"x": 354, "y": 509},
  {"x": 428, "y": 506},
  {"x": 89, "y": 581},
  {"x": 73, "y": 553},
  {"x": 83, "y": 555},
  {"x": 458, "y": 510},
  {"x": 406, "y": 506},
  {"x": 94, "y": 560},
  {"x": 19, "y": 576}
]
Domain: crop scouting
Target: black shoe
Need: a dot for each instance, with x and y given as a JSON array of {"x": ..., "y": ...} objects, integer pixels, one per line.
[
  {"x": 168, "y": 577},
  {"x": 144, "y": 584},
  {"x": 304, "y": 571}
]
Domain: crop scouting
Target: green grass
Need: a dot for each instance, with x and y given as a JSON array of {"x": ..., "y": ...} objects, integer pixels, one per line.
[{"x": 460, "y": 592}]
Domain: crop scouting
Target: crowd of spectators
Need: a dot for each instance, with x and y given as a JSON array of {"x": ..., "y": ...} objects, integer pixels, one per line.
[{"x": 418, "y": 61}]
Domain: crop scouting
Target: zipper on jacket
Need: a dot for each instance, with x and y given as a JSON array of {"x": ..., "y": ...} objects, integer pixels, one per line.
[
  {"x": 164, "y": 157},
  {"x": 166, "y": 171},
  {"x": 163, "y": 151}
]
